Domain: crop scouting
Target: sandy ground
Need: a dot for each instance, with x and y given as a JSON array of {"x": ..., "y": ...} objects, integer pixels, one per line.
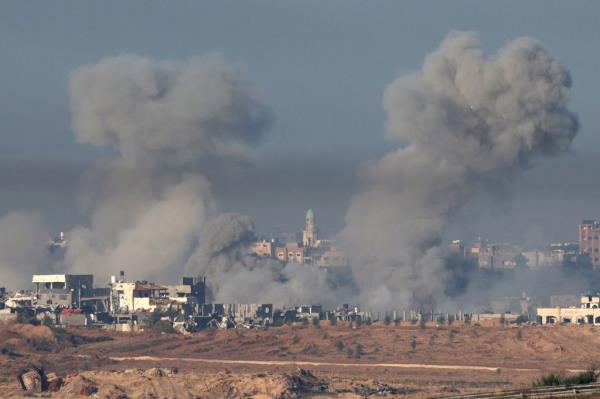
[{"x": 419, "y": 362}]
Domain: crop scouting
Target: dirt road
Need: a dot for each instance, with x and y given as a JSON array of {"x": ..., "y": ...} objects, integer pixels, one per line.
[{"x": 323, "y": 364}]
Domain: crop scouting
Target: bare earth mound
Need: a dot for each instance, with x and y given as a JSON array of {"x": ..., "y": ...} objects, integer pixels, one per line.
[{"x": 405, "y": 360}]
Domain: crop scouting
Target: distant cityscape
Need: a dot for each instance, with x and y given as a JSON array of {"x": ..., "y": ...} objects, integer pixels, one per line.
[{"x": 69, "y": 299}]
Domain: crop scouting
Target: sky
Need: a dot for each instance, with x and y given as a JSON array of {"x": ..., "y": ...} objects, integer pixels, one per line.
[{"x": 321, "y": 66}]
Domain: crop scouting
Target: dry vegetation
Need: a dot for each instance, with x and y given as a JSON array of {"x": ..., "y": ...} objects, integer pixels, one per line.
[{"x": 419, "y": 360}]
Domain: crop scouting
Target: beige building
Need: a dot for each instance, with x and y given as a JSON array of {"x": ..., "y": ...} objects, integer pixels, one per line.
[
  {"x": 263, "y": 248},
  {"x": 133, "y": 297},
  {"x": 588, "y": 312},
  {"x": 333, "y": 256},
  {"x": 292, "y": 254}
]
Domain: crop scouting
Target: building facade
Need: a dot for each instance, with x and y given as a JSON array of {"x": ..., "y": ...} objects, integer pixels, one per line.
[
  {"x": 588, "y": 312},
  {"x": 589, "y": 240}
]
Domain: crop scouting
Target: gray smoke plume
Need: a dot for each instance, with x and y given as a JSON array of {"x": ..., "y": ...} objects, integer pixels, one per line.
[
  {"x": 164, "y": 120},
  {"x": 471, "y": 123},
  {"x": 235, "y": 275},
  {"x": 23, "y": 241}
]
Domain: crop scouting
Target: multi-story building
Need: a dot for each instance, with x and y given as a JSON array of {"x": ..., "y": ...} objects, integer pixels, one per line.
[
  {"x": 292, "y": 254},
  {"x": 64, "y": 290},
  {"x": 263, "y": 248},
  {"x": 589, "y": 240}
]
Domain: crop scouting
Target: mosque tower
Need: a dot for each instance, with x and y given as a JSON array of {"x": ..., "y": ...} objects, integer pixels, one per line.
[{"x": 309, "y": 235}]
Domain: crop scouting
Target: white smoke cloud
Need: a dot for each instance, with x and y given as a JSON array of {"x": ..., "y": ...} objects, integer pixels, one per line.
[{"x": 471, "y": 123}]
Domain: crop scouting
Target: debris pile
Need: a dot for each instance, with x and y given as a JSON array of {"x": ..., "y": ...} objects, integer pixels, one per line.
[{"x": 303, "y": 382}]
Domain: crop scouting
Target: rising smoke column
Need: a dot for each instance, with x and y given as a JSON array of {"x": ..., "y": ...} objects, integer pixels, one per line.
[
  {"x": 471, "y": 122},
  {"x": 235, "y": 275},
  {"x": 163, "y": 120}
]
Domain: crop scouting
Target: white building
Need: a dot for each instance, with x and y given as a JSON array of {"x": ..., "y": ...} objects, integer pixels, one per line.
[{"x": 588, "y": 312}]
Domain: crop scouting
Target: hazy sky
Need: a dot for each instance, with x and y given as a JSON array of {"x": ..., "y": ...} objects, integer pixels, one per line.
[{"x": 321, "y": 66}]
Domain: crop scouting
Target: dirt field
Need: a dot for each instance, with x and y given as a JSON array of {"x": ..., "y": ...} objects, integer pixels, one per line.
[{"x": 263, "y": 363}]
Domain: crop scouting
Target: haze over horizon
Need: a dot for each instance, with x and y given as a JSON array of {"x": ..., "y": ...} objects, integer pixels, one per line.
[{"x": 323, "y": 78}]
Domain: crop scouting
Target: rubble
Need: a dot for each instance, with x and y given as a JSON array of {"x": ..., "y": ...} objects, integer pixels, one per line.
[{"x": 304, "y": 381}]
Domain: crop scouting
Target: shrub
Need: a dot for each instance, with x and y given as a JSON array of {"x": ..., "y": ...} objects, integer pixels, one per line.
[
  {"x": 368, "y": 321},
  {"x": 413, "y": 344},
  {"x": 432, "y": 339},
  {"x": 164, "y": 326},
  {"x": 396, "y": 321},
  {"x": 358, "y": 351},
  {"x": 26, "y": 318},
  {"x": 315, "y": 321},
  {"x": 387, "y": 320},
  {"x": 553, "y": 379},
  {"x": 519, "y": 334},
  {"x": 358, "y": 322},
  {"x": 333, "y": 321},
  {"x": 304, "y": 322},
  {"x": 349, "y": 352},
  {"x": 441, "y": 320},
  {"x": 339, "y": 344},
  {"x": 521, "y": 319}
]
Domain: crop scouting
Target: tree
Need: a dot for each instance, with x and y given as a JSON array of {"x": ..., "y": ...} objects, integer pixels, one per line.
[
  {"x": 350, "y": 352},
  {"x": 315, "y": 322},
  {"x": 333, "y": 321},
  {"x": 387, "y": 320},
  {"x": 413, "y": 344},
  {"x": 339, "y": 344}
]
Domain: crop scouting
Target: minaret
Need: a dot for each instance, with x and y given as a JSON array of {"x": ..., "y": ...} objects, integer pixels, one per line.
[{"x": 309, "y": 235}]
